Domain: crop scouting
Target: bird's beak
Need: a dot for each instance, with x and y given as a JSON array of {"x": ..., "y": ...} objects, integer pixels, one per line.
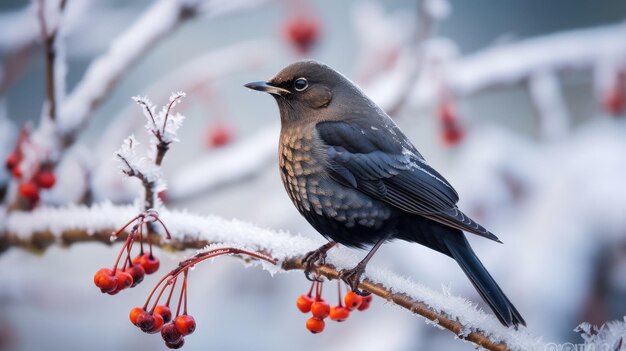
[{"x": 268, "y": 88}]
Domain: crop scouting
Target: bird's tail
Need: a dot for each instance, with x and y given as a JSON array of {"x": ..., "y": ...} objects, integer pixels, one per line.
[{"x": 488, "y": 289}]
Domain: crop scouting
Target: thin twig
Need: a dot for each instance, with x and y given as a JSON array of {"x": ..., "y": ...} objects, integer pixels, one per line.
[{"x": 148, "y": 185}]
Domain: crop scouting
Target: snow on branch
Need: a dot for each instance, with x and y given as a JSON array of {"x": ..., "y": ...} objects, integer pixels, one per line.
[
  {"x": 47, "y": 226},
  {"x": 512, "y": 63}
]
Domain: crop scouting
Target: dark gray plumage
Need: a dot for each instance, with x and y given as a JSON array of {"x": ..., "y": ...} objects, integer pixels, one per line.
[{"x": 359, "y": 181}]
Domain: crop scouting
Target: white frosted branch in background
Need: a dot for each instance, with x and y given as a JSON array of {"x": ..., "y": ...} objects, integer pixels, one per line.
[
  {"x": 547, "y": 98},
  {"x": 280, "y": 245},
  {"x": 227, "y": 165},
  {"x": 156, "y": 23},
  {"x": 510, "y": 64}
]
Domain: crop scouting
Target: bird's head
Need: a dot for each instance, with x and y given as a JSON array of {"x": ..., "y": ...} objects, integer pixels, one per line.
[{"x": 305, "y": 89}]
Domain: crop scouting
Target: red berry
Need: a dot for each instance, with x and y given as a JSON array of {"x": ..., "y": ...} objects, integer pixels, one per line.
[
  {"x": 339, "y": 313},
  {"x": 304, "y": 303},
  {"x": 366, "y": 303},
  {"x": 45, "y": 179},
  {"x": 17, "y": 172},
  {"x": 164, "y": 312},
  {"x": 170, "y": 334},
  {"x": 219, "y": 135},
  {"x": 185, "y": 324},
  {"x": 452, "y": 132},
  {"x": 320, "y": 309},
  {"x": 137, "y": 272},
  {"x": 158, "y": 324},
  {"x": 29, "y": 190},
  {"x": 315, "y": 325},
  {"x": 106, "y": 280},
  {"x": 352, "y": 300},
  {"x": 177, "y": 344},
  {"x": 124, "y": 279},
  {"x": 12, "y": 161},
  {"x": 614, "y": 102},
  {"x": 302, "y": 32},
  {"x": 150, "y": 263},
  {"x": 145, "y": 321},
  {"x": 134, "y": 313}
]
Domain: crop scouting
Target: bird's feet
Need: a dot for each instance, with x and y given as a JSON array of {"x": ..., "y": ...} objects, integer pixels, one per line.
[
  {"x": 352, "y": 277},
  {"x": 314, "y": 259}
]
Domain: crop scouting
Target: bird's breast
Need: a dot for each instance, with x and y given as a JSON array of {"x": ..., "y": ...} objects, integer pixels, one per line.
[{"x": 316, "y": 195}]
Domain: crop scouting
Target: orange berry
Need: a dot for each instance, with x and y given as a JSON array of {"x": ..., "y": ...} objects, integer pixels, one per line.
[
  {"x": 134, "y": 313},
  {"x": 164, "y": 312},
  {"x": 352, "y": 300},
  {"x": 105, "y": 280},
  {"x": 339, "y": 313},
  {"x": 124, "y": 280},
  {"x": 315, "y": 325},
  {"x": 320, "y": 309},
  {"x": 185, "y": 324},
  {"x": 304, "y": 303}
]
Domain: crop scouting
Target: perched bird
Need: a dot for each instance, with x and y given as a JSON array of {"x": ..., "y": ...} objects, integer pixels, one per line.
[{"x": 359, "y": 181}]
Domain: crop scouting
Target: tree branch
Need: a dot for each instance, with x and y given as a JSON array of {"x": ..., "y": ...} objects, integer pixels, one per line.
[{"x": 44, "y": 227}]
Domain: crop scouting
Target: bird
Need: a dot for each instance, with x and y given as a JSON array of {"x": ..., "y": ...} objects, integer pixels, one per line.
[{"x": 360, "y": 182}]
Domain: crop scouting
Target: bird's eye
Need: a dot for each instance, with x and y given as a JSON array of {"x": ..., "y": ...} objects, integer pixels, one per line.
[{"x": 300, "y": 84}]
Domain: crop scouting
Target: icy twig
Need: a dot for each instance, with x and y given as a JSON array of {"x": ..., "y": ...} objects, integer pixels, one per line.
[{"x": 49, "y": 36}]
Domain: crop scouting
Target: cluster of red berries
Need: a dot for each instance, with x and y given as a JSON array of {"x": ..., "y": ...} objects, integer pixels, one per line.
[
  {"x": 132, "y": 271},
  {"x": 302, "y": 32},
  {"x": 320, "y": 309},
  {"x": 159, "y": 317},
  {"x": 452, "y": 131},
  {"x": 42, "y": 178}
]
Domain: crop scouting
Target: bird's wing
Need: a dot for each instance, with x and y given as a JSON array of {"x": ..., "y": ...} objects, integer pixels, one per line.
[{"x": 385, "y": 165}]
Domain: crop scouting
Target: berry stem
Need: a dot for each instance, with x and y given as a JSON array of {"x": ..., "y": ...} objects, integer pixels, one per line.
[
  {"x": 169, "y": 297},
  {"x": 119, "y": 255},
  {"x": 309, "y": 294},
  {"x": 339, "y": 292},
  {"x": 185, "y": 289},
  {"x": 180, "y": 298}
]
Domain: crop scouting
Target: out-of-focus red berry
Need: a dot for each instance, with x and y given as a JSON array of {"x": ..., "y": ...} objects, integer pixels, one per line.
[
  {"x": 176, "y": 344},
  {"x": 106, "y": 280},
  {"x": 614, "y": 101},
  {"x": 302, "y": 32},
  {"x": 12, "y": 161},
  {"x": 185, "y": 324},
  {"x": 219, "y": 135},
  {"x": 16, "y": 172},
  {"x": 315, "y": 325},
  {"x": 452, "y": 131},
  {"x": 304, "y": 303},
  {"x": 366, "y": 303},
  {"x": 158, "y": 324},
  {"x": 29, "y": 190},
  {"x": 45, "y": 179}
]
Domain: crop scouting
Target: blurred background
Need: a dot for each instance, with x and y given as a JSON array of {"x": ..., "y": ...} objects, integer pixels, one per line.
[{"x": 520, "y": 104}]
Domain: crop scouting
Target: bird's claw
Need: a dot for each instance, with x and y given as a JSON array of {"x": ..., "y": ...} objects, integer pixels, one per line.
[
  {"x": 352, "y": 277},
  {"x": 311, "y": 261}
]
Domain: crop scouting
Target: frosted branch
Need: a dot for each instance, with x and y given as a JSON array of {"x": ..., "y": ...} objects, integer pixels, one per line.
[{"x": 49, "y": 226}]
